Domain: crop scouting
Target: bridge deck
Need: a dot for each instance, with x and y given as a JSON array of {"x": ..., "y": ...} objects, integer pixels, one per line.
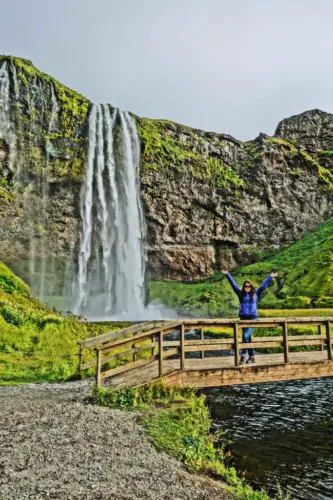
[{"x": 221, "y": 370}]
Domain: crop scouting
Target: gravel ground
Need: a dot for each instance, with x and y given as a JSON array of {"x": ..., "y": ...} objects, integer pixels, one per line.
[{"x": 53, "y": 444}]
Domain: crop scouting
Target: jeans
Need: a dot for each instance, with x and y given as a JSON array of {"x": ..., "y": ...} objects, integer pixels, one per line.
[{"x": 247, "y": 339}]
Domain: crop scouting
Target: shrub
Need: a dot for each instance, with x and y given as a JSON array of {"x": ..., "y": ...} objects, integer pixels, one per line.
[
  {"x": 11, "y": 314},
  {"x": 324, "y": 302},
  {"x": 297, "y": 302}
]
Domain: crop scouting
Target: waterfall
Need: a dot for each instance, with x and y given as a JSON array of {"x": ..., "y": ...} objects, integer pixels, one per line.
[
  {"x": 110, "y": 273},
  {"x": 45, "y": 189},
  {"x": 7, "y": 130}
]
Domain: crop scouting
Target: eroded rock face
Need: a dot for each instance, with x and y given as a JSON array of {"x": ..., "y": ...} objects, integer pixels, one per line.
[
  {"x": 209, "y": 200},
  {"x": 282, "y": 197}
]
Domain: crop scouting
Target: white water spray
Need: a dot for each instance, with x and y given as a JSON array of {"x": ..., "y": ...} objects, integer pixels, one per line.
[
  {"x": 45, "y": 190},
  {"x": 7, "y": 130},
  {"x": 110, "y": 274}
]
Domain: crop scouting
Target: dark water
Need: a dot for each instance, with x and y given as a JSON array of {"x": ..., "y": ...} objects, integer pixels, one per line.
[{"x": 280, "y": 432}]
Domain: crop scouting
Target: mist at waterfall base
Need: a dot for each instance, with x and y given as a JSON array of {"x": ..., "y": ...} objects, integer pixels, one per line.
[{"x": 105, "y": 269}]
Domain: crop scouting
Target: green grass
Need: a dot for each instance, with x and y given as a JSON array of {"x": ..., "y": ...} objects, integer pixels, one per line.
[
  {"x": 306, "y": 279},
  {"x": 37, "y": 344},
  {"x": 178, "y": 422}
]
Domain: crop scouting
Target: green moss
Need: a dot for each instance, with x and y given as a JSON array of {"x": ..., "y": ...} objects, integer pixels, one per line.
[
  {"x": 69, "y": 140},
  {"x": 168, "y": 147},
  {"x": 289, "y": 146}
]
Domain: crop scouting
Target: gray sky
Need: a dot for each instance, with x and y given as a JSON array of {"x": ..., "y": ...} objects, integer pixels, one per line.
[{"x": 232, "y": 66}]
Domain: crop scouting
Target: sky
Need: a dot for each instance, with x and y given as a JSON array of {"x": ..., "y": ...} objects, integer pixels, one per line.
[{"x": 230, "y": 66}]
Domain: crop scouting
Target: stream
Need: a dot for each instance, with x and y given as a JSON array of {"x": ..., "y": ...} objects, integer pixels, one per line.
[{"x": 280, "y": 432}]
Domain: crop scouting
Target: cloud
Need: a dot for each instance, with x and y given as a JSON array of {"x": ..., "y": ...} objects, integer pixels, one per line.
[{"x": 235, "y": 66}]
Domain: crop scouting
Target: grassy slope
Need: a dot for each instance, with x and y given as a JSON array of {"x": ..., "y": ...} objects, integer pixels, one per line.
[
  {"x": 35, "y": 344},
  {"x": 306, "y": 270}
]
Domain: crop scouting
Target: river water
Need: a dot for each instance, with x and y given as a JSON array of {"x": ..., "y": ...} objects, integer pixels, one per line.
[{"x": 281, "y": 432}]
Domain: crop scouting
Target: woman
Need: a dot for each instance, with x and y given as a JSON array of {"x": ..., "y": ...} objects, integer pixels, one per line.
[{"x": 248, "y": 298}]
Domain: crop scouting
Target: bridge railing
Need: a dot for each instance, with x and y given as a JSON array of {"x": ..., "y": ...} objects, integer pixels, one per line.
[{"x": 147, "y": 342}]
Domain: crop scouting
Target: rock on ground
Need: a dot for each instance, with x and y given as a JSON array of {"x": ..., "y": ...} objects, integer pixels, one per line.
[{"x": 55, "y": 445}]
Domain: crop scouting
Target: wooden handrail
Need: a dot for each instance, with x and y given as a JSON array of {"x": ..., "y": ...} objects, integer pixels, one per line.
[{"x": 135, "y": 335}]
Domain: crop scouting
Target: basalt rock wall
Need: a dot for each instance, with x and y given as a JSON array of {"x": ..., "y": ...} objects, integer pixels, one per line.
[{"x": 209, "y": 200}]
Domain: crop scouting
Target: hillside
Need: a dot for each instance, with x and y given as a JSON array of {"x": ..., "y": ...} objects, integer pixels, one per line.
[
  {"x": 306, "y": 279},
  {"x": 37, "y": 344}
]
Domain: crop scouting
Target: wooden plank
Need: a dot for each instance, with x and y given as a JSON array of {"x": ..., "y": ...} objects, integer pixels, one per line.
[
  {"x": 160, "y": 355},
  {"x": 202, "y": 355},
  {"x": 210, "y": 347},
  {"x": 329, "y": 340},
  {"x": 304, "y": 342},
  {"x": 140, "y": 336},
  {"x": 285, "y": 342},
  {"x": 250, "y": 324},
  {"x": 98, "y": 368},
  {"x": 258, "y": 345},
  {"x": 123, "y": 354},
  {"x": 199, "y": 326},
  {"x": 80, "y": 358},
  {"x": 105, "y": 337},
  {"x": 182, "y": 347},
  {"x": 236, "y": 344},
  {"x": 127, "y": 367},
  {"x": 85, "y": 366},
  {"x": 170, "y": 352},
  {"x": 273, "y": 321},
  {"x": 320, "y": 328}
]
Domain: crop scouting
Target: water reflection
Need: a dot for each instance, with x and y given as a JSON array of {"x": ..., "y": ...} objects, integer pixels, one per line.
[{"x": 280, "y": 432}]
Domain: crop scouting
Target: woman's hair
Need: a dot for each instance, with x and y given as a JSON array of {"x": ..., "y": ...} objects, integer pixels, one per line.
[{"x": 251, "y": 291}]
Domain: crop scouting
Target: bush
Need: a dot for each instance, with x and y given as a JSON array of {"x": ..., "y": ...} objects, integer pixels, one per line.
[
  {"x": 299, "y": 302},
  {"x": 11, "y": 314},
  {"x": 324, "y": 302}
]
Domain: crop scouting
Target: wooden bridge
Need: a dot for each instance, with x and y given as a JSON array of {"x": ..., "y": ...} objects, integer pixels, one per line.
[{"x": 149, "y": 351}]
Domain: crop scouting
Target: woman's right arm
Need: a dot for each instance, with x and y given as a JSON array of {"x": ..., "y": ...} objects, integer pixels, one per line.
[{"x": 232, "y": 282}]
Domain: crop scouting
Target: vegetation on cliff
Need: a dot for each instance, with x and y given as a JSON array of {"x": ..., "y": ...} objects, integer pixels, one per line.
[
  {"x": 306, "y": 280},
  {"x": 32, "y": 111},
  {"x": 168, "y": 147}
]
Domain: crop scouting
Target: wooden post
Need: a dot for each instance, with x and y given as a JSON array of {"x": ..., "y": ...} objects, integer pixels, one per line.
[
  {"x": 285, "y": 341},
  {"x": 236, "y": 344},
  {"x": 134, "y": 353},
  {"x": 202, "y": 338},
  {"x": 320, "y": 332},
  {"x": 153, "y": 348},
  {"x": 160, "y": 358},
  {"x": 329, "y": 341},
  {"x": 98, "y": 367},
  {"x": 182, "y": 347},
  {"x": 80, "y": 360}
]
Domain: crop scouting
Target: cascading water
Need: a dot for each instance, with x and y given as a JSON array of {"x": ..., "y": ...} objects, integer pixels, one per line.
[
  {"x": 110, "y": 274},
  {"x": 105, "y": 269},
  {"x": 45, "y": 189},
  {"x": 7, "y": 130}
]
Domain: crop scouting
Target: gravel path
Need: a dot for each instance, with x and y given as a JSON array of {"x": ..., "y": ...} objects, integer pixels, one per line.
[{"x": 55, "y": 445}]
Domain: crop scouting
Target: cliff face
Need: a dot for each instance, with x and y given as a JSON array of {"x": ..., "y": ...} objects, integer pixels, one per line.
[
  {"x": 209, "y": 200},
  {"x": 43, "y": 144}
]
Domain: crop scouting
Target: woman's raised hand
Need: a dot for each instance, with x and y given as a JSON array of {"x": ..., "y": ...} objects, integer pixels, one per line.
[
  {"x": 274, "y": 275},
  {"x": 224, "y": 271}
]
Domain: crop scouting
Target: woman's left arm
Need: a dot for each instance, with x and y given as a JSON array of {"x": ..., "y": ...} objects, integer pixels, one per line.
[{"x": 265, "y": 284}]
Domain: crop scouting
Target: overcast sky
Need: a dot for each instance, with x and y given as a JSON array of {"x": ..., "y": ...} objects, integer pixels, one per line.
[{"x": 232, "y": 66}]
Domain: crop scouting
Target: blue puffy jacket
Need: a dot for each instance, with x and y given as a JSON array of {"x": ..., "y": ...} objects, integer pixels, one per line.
[{"x": 248, "y": 306}]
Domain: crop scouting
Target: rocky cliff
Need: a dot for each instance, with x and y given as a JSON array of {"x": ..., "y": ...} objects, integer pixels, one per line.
[{"x": 209, "y": 200}]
